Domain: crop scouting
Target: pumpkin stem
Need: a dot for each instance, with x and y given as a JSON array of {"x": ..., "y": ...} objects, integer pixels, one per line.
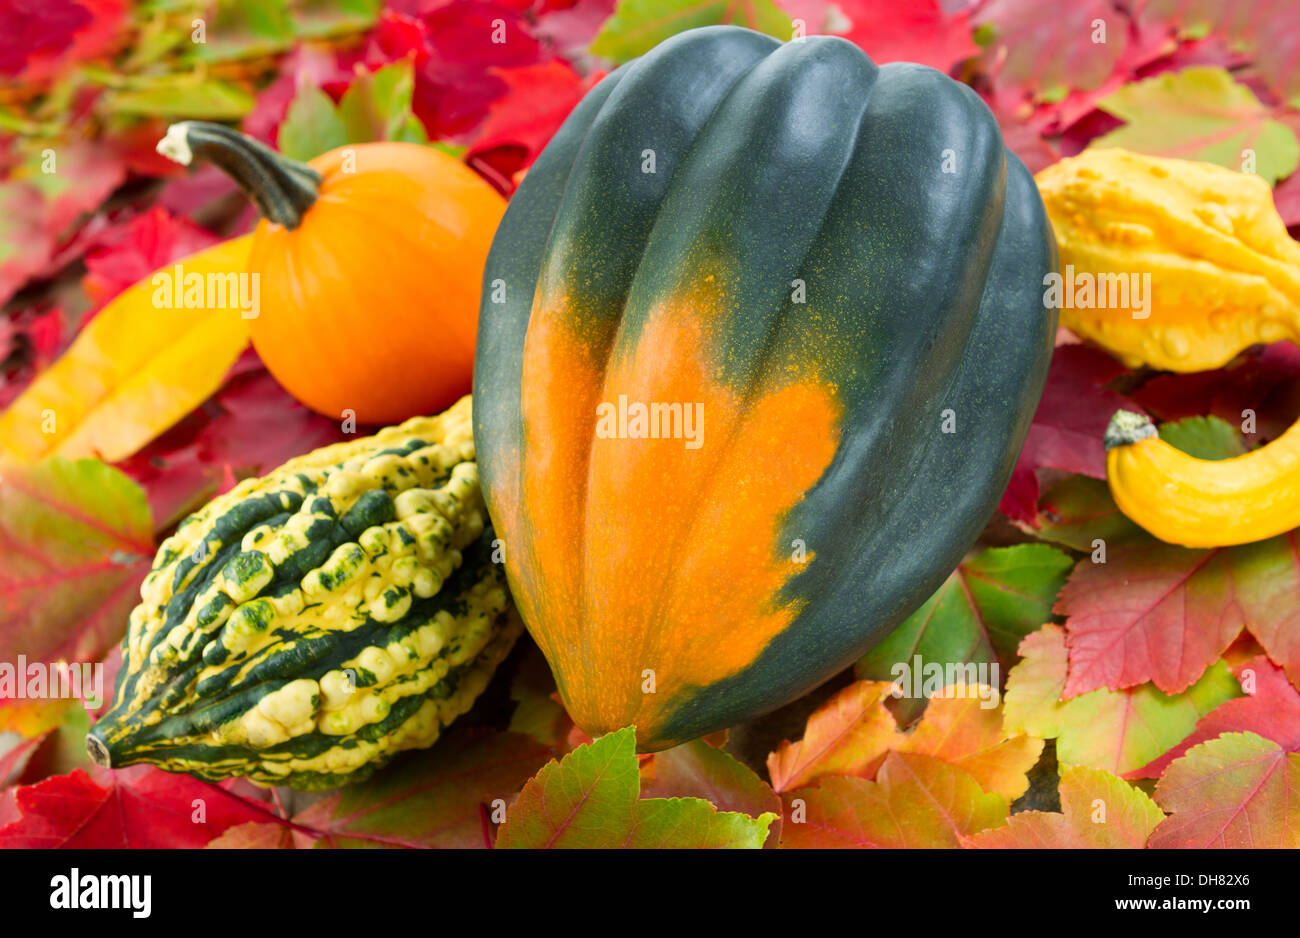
[{"x": 281, "y": 188}]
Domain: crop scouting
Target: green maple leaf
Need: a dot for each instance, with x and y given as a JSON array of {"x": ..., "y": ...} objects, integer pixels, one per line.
[
  {"x": 241, "y": 29},
  {"x": 979, "y": 615},
  {"x": 1204, "y": 437},
  {"x": 376, "y": 106},
  {"x": 180, "y": 97},
  {"x": 1201, "y": 113},
  {"x": 536, "y": 713},
  {"x": 311, "y": 126},
  {"x": 591, "y": 798},
  {"x": 637, "y": 26}
]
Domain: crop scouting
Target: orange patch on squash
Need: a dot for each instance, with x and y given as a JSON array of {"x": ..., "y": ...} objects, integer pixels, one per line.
[{"x": 636, "y": 555}]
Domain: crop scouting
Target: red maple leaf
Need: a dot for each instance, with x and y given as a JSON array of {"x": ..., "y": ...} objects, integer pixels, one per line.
[
  {"x": 126, "y": 253},
  {"x": 1059, "y": 61},
  {"x": 34, "y": 27},
  {"x": 1068, "y": 426},
  {"x": 569, "y": 26},
  {"x": 102, "y": 27},
  {"x": 1151, "y": 612},
  {"x": 1263, "y": 381},
  {"x": 38, "y": 222},
  {"x": 137, "y": 807},
  {"x": 466, "y": 42},
  {"x": 919, "y": 31},
  {"x": 247, "y": 428},
  {"x": 538, "y": 99},
  {"x": 1160, "y": 613},
  {"x": 30, "y": 338}
]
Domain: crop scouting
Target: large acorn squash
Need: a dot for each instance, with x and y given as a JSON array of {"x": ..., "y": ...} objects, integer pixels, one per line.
[{"x": 840, "y": 269}]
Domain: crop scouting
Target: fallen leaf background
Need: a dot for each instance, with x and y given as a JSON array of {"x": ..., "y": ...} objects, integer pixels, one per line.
[{"x": 1157, "y": 682}]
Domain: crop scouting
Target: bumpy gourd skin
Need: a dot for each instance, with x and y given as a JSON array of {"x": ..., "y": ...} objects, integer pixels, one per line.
[
  {"x": 1201, "y": 502},
  {"x": 1224, "y": 273},
  {"x": 307, "y": 625}
]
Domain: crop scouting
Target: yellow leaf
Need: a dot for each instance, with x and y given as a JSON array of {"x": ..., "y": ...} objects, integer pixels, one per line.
[
  {"x": 31, "y": 718},
  {"x": 135, "y": 370}
]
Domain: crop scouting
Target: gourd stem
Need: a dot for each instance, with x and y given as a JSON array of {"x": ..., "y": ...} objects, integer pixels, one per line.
[
  {"x": 1127, "y": 428},
  {"x": 283, "y": 189},
  {"x": 98, "y": 752}
]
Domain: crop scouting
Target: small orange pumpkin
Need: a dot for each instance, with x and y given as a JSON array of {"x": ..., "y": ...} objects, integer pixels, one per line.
[{"x": 370, "y": 260}]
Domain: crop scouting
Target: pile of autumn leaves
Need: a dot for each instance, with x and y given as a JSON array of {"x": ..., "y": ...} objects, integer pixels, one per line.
[{"x": 1159, "y": 683}]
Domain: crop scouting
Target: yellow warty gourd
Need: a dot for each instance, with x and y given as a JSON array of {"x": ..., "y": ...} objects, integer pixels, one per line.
[{"x": 1224, "y": 274}]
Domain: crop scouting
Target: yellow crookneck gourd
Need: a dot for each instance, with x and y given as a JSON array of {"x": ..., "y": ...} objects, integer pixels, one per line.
[
  {"x": 1202, "y": 502},
  {"x": 1224, "y": 274}
]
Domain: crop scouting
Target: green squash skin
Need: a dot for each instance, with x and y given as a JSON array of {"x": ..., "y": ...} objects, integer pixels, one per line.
[{"x": 800, "y": 161}]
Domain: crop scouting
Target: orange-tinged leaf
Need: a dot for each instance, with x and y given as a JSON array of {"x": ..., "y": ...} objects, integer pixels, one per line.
[
  {"x": 75, "y": 542},
  {"x": 1119, "y": 731},
  {"x": 853, "y": 731},
  {"x": 254, "y": 835},
  {"x": 964, "y": 732},
  {"x": 1238, "y": 790},
  {"x": 133, "y": 371},
  {"x": 917, "y": 801},
  {"x": 1032, "y": 700},
  {"x": 56, "y": 751},
  {"x": 843, "y": 737},
  {"x": 1098, "y": 810}
]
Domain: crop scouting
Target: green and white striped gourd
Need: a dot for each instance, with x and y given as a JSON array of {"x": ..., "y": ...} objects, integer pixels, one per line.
[{"x": 307, "y": 625}]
